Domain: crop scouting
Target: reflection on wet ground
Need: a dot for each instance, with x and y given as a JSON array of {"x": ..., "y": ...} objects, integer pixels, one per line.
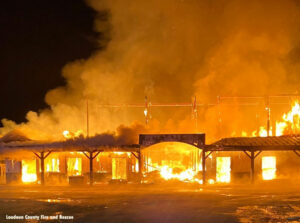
[{"x": 156, "y": 203}]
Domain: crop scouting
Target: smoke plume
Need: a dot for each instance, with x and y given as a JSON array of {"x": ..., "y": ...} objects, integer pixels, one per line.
[{"x": 171, "y": 51}]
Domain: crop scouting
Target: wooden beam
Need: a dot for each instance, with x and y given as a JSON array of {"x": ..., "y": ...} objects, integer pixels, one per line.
[
  {"x": 203, "y": 167},
  {"x": 86, "y": 155},
  {"x": 297, "y": 153},
  {"x": 208, "y": 154},
  {"x": 252, "y": 166},
  {"x": 136, "y": 156},
  {"x": 91, "y": 169},
  {"x": 47, "y": 154},
  {"x": 96, "y": 155},
  {"x": 257, "y": 154},
  {"x": 37, "y": 155},
  {"x": 42, "y": 169},
  {"x": 247, "y": 154},
  {"x": 140, "y": 166}
]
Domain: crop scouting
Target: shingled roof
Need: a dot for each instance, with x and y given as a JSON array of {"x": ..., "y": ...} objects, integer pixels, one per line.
[{"x": 287, "y": 142}]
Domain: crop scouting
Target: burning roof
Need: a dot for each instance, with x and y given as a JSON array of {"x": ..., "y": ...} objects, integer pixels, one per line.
[
  {"x": 286, "y": 142},
  {"x": 14, "y": 136},
  {"x": 104, "y": 142}
]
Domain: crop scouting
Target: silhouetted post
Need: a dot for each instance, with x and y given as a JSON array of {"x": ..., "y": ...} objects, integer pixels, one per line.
[
  {"x": 140, "y": 165},
  {"x": 252, "y": 157},
  {"x": 91, "y": 169},
  {"x": 203, "y": 167},
  {"x": 42, "y": 158},
  {"x": 91, "y": 158}
]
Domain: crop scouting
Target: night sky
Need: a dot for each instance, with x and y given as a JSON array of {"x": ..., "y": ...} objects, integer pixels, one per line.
[{"x": 37, "y": 39}]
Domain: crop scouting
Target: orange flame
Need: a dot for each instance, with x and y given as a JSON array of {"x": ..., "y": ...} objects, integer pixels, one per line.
[
  {"x": 69, "y": 135},
  {"x": 290, "y": 123},
  {"x": 269, "y": 167},
  {"x": 29, "y": 171}
]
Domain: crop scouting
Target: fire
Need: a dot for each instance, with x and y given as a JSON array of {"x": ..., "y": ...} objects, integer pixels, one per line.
[
  {"x": 183, "y": 162},
  {"x": 269, "y": 167},
  {"x": 52, "y": 165},
  {"x": 166, "y": 173},
  {"x": 119, "y": 168},
  {"x": 290, "y": 123},
  {"x": 29, "y": 171},
  {"x": 66, "y": 134},
  {"x": 69, "y": 135},
  {"x": 262, "y": 132},
  {"x": 74, "y": 166},
  {"x": 223, "y": 169}
]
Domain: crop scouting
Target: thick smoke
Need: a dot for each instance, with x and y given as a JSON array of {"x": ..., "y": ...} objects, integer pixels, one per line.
[{"x": 170, "y": 51}]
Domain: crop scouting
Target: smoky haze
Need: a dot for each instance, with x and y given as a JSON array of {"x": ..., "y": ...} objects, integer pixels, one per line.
[{"x": 170, "y": 51}]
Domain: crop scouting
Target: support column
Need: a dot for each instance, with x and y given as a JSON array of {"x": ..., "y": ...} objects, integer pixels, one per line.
[
  {"x": 42, "y": 157},
  {"x": 138, "y": 156},
  {"x": 91, "y": 157},
  {"x": 42, "y": 168},
  {"x": 203, "y": 167},
  {"x": 91, "y": 169},
  {"x": 140, "y": 165},
  {"x": 252, "y": 157}
]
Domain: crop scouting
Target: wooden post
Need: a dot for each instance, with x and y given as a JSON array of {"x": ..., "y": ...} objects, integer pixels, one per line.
[
  {"x": 91, "y": 157},
  {"x": 91, "y": 169},
  {"x": 252, "y": 157},
  {"x": 140, "y": 165},
  {"x": 42, "y": 168},
  {"x": 203, "y": 167}
]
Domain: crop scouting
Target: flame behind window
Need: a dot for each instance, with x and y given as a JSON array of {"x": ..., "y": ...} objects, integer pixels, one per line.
[
  {"x": 74, "y": 166},
  {"x": 269, "y": 167},
  {"x": 223, "y": 169},
  {"x": 119, "y": 168},
  {"x": 52, "y": 165},
  {"x": 29, "y": 171}
]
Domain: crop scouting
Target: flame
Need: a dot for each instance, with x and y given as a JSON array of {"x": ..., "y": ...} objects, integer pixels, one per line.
[
  {"x": 74, "y": 166},
  {"x": 166, "y": 173},
  {"x": 290, "y": 124},
  {"x": 262, "y": 132},
  {"x": 291, "y": 121},
  {"x": 66, "y": 134},
  {"x": 69, "y": 135},
  {"x": 29, "y": 171},
  {"x": 211, "y": 181},
  {"x": 122, "y": 153},
  {"x": 223, "y": 169},
  {"x": 119, "y": 168},
  {"x": 174, "y": 161},
  {"x": 269, "y": 167},
  {"x": 52, "y": 165}
]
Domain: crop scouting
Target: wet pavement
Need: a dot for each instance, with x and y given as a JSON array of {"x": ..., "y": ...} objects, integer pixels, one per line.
[{"x": 265, "y": 202}]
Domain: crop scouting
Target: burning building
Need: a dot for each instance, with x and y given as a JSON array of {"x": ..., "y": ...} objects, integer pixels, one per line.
[
  {"x": 157, "y": 157},
  {"x": 267, "y": 154}
]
